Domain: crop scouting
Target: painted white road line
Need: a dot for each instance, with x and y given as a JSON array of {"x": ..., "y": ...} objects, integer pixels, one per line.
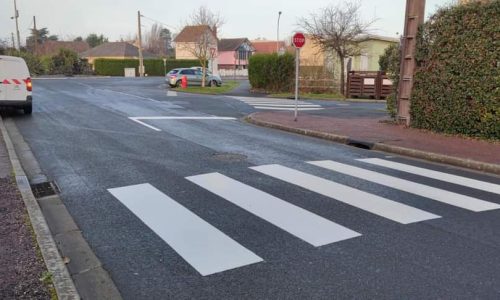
[
  {"x": 459, "y": 180},
  {"x": 185, "y": 118},
  {"x": 374, "y": 204},
  {"x": 288, "y": 105},
  {"x": 171, "y": 94},
  {"x": 297, "y": 221},
  {"x": 203, "y": 246},
  {"x": 426, "y": 191},
  {"x": 285, "y": 108},
  {"x": 144, "y": 124}
]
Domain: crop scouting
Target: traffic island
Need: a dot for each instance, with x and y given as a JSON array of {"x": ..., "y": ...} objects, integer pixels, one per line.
[{"x": 382, "y": 135}]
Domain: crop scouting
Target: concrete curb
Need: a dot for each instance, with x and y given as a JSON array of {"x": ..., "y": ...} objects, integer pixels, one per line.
[
  {"x": 90, "y": 278},
  {"x": 430, "y": 156},
  {"x": 63, "y": 284}
]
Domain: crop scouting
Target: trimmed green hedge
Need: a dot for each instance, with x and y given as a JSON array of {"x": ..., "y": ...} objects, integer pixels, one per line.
[
  {"x": 154, "y": 67},
  {"x": 457, "y": 83},
  {"x": 272, "y": 72}
]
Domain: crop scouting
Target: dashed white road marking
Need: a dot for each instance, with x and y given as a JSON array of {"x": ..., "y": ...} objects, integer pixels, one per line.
[
  {"x": 374, "y": 204},
  {"x": 203, "y": 246},
  {"x": 426, "y": 191},
  {"x": 299, "y": 222},
  {"x": 459, "y": 180},
  {"x": 171, "y": 93}
]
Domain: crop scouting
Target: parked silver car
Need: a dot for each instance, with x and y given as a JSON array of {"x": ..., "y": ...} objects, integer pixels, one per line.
[{"x": 194, "y": 77}]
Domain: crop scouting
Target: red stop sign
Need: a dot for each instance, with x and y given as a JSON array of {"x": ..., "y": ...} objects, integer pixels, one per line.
[{"x": 299, "y": 40}]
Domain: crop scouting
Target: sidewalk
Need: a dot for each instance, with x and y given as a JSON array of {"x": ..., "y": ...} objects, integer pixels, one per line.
[
  {"x": 375, "y": 134},
  {"x": 23, "y": 272}
]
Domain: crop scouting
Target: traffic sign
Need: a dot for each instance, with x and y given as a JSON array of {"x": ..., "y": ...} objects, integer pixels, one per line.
[{"x": 298, "y": 40}]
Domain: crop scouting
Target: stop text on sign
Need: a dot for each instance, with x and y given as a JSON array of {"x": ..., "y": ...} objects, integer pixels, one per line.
[{"x": 298, "y": 40}]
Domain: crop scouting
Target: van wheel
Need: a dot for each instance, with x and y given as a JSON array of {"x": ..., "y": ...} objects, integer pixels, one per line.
[{"x": 28, "y": 109}]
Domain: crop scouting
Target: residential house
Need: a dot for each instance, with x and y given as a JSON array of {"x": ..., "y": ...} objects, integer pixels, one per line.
[
  {"x": 115, "y": 50},
  {"x": 234, "y": 53},
  {"x": 189, "y": 44},
  {"x": 52, "y": 47},
  {"x": 268, "y": 47},
  {"x": 371, "y": 48}
]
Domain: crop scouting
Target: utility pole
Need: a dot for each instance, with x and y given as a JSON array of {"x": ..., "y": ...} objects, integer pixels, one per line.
[
  {"x": 35, "y": 32},
  {"x": 13, "y": 43},
  {"x": 415, "y": 13},
  {"x": 139, "y": 34},
  {"x": 278, "y": 34},
  {"x": 16, "y": 16}
]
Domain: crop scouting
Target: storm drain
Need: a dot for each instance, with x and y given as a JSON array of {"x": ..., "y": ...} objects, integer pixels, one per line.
[
  {"x": 44, "y": 189},
  {"x": 229, "y": 157}
]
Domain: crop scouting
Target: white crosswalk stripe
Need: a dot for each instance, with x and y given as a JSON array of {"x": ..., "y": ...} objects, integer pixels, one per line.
[
  {"x": 459, "y": 180},
  {"x": 305, "y": 225},
  {"x": 377, "y": 205},
  {"x": 433, "y": 193},
  {"x": 208, "y": 250},
  {"x": 279, "y": 104},
  {"x": 203, "y": 246}
]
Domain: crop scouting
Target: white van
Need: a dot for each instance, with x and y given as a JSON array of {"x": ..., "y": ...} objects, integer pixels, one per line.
[{"x": 15, "y": 84}]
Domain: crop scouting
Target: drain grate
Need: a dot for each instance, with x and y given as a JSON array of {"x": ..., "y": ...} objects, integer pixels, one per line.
[{"x": 44, "y": 189}]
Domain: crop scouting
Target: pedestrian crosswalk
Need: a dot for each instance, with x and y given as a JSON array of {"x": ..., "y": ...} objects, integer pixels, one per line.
[
  {"x": 279, "y": 104},
  {"x": 209, "y": 250}
]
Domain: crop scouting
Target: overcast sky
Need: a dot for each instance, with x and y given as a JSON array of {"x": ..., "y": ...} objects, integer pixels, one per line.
[{"x": 253, "y": 19}]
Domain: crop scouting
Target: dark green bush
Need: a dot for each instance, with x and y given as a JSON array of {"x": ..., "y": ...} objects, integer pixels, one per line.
[
  {"x": 154, "y": 67},
  {"x": 457, "y": 83},
  {"x": 390, "y": 63},
  {"x": 272, "y": 72}
]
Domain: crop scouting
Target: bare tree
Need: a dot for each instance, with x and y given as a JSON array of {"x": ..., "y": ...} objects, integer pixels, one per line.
[
  {"x": 336, "y": 28},
  {"x": 153, "y": 40},
  {"x": 201, "y": 48},
  {"x": 204, "y": 16}
]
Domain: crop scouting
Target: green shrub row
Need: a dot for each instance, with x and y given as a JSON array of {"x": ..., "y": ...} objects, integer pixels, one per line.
[
  {"x": 390, "y": 63},
  {"x": 153, "y": 67},
  {"x": 272, "y": 72},
  {"x": 457, "y": 83}
]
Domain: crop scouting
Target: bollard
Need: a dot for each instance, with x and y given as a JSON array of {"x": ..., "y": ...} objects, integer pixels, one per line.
[{"x": 184, "y": 82}]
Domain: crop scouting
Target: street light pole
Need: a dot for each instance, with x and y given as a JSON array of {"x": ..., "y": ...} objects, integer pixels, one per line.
[
  {"x": 139, "y": 35},
  {"x": 16, "y": 16},
  {"x": 278, "y": 34}
]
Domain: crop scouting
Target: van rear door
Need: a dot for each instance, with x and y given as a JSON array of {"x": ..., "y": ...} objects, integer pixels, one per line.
[{"x": 13, "y": 75}]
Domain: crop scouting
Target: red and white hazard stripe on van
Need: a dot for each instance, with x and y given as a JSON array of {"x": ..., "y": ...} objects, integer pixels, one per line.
[{"x": 27, "y": 81}]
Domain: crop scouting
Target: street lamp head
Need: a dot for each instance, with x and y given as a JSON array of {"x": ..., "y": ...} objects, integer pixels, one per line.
[{"x": 280, "y": 12}]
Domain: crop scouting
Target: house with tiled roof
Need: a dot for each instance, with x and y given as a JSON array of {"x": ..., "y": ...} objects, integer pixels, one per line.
[
  {"x": 268, "y": 47},
  {"x": 50, "y": 48},
  {"x": 234, "y": 53},
  {"x": 115, "y": 50},
  {"x": 189, "y": 39}
]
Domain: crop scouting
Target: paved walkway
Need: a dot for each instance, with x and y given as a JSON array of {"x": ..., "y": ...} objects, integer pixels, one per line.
[{"x": 375, "y": 130}]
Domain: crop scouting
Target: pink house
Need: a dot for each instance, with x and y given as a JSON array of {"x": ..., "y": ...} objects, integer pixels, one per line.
[{"x": 234, "y": 53}]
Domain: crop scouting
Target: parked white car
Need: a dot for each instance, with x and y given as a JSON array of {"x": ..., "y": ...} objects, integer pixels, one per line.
[{"x": 15, "y": 84}]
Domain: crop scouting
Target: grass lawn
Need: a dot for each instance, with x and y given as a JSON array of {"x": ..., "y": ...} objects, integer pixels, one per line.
[
  {"x": 333, "y": 96},
  {"x": 227, "y": 86}
]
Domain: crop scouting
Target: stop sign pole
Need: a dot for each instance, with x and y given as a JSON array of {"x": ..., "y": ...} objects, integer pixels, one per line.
[{"x": 298, "y": 41}]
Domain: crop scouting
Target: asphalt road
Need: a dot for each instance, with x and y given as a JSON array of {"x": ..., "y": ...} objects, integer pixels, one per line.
[{"x": 220, "y": 209}]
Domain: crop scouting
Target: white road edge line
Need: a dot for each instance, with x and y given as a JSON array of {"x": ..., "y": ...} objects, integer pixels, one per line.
[
  {"x": 144, "y": 124},
  {"x": 204, "y": 247},
  {"x": 285, "y": 108},
  {"x": 295, "y": 220},
  {"x": 185, "y": 118}
]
